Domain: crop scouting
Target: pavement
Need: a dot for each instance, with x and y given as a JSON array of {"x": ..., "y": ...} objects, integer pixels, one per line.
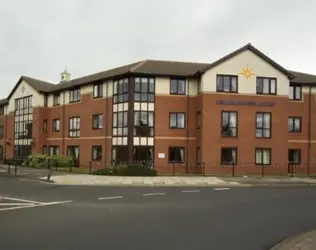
[
  {"x": 63, "y": 178},
  {"x": 97, "y": 217},
  {"x": 303, "y": 241}
]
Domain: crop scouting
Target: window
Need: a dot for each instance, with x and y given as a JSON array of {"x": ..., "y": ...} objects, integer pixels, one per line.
[
  {"x": 1, "y": 132},
  {"x": 120, "y": 91},
  {"x": 266, "y": 86},
  {"x": 295, "y": 156},
  {"x": 144, "y": 89},
  {"x": 53, "y": 150},
  {"x": 177, "y": 86},
  {"x": 176, "y": 120},
  {"x": 45, "y": 126},
  {"x": 263, "y": 156},
  {"x": 226, "y": 83},
  {"x": 263, "y": 125},
  {"x": 56, "y": 99},
  {"x": 56, "y": 125},
  {"x": 295, "y": 93},
  {"x": 144, "y": 123},
  {"x": 45, "y": 100},
  {"x": 97, "y": 121},
  {"x": 96, "y": 153},
  {"x": 229, "y": 156},
  {"x": 74, "y": 127},
  {"x": 198, "y": 120},
  {"x": 120, "y": 126},
  {"x": 2, "y": 110},
  {"x": 229, "y": 123},
  {"x": 98, "y": 90},
  {"x": 294, "y": 124},
  {"x": 176, "y": 154},
  {"x": 74, "y": 95}
]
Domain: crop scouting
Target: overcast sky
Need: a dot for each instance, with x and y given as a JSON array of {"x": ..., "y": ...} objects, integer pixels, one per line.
[{"x": 40, "y": 37}]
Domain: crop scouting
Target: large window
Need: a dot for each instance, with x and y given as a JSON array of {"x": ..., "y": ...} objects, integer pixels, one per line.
[
  {"x": 229, "y": 123},
  {"x": 53, "y": 150},
  {"x": 176, "y": 154},
  {"x": 120, "y": 91},
  {"x": 294, "y": 124},
  {"x": 97, "y": 153},
  {"x": 143, "y": 123},
  {"x": 74, "y": 127},
  {"x": 229, "y": 156},
  {"x": 263, "y": 125},
  {"x": 56, "y": 125},
  {"x": 98, "y": 90},
  {"x": 295, "y": 93},
  {"x": 294, "y": 156},
  {"x": 23, "y": 122},
  {"x": 74, "y": 95},
  {"x": 263, "y": 156},
  {"x": 227, "y": 83},
  {"x": 177, "y": 87},
  {"x": 266, "y": 85},
  {"x": 177, "y": 120},
  {"x": 144, "y": 89},
  {"x": 97, "y": 121},
  {"x": 120, "y": 124}
]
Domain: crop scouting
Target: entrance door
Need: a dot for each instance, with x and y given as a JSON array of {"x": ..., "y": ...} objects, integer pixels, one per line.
[{"x": 74, "y": 152}]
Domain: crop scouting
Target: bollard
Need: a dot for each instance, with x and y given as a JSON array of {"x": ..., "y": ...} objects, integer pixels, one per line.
[{"x": 15, "y": 169}]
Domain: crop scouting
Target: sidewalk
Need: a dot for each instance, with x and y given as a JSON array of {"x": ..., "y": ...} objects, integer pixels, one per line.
[
  {"x": 202, "y": 181},
  {"x": 304, "y": 241}
]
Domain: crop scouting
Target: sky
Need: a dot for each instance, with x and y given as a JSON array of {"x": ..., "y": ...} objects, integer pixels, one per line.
[{"x": 40, "y": 37}]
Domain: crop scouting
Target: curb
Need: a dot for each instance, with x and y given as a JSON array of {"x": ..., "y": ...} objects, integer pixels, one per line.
[{"x": 241, "y": 185}]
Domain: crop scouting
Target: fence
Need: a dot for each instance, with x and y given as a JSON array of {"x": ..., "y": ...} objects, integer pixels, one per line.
[{"x": 196, "y": 169}]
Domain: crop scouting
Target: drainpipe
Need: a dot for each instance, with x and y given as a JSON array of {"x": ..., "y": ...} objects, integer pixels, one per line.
[
  {"x": 5, "y": 134},
  {"x": 187, "y": 122},
  {"x": 309, "y": 129},
  {"x": 105, "y": 117},
  {"x": 63, "y": 126}
]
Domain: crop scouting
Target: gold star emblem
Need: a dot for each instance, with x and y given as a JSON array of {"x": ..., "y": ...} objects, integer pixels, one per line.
[{"x": 247, "y": 72}]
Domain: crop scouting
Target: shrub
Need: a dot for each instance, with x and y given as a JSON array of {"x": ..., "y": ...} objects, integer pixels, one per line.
[
  {"x": 40, "y": 161},
  {"x": 35, "y": 161},
  {"x": 60, "y": 161},
  {"x": 127, "y": 170}
]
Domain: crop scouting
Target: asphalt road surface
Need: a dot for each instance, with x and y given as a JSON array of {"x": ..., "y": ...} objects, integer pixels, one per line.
[{"x": 41, "y": 216}]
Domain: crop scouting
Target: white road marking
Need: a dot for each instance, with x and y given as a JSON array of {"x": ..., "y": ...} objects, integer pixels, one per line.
[
  {"x": 152, "y": 194},
  {"x": 110, "y": 198},
  {"x": 221, "y": 189},
  {"x": 190, "y": 191},
  {"x": 15, "y": 204},
  {"x": 21, "y": 200},
  {"x": 35, "y": 205}
]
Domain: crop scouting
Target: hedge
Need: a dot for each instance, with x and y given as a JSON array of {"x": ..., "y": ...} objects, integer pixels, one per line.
[{"x": 127, "y": 170}]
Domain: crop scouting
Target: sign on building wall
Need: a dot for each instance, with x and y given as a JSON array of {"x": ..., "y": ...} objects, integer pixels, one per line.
[{"x": 245, "y": 103}]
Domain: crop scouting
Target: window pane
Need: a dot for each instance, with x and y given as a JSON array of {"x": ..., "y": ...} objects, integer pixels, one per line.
[
  {"x": 291, "y": 92},
  {"x": 173, "y": 86},
  {"x": 136, "y": 118},
  {"x": 297, "y": 124},
  {"x": 151, "y": 86},
  {"x": 115, "y": 120},
  {"x": 259, "y": 123},
  {"x": 173, "y": 120},
  {"x": 226, "y": 83},
  {"x": 144, "y": 85},
  {"x": 151, "y": 97},
  {"x": 137, "y": 86},
  {"x": 125, "y": 119},
  {"x": 273, "y": 86},
  {"x": 137, "y": 97},
  {"x": 225, "y": 120},
  {"x": 266, "y": 121},
  {"x": 266, "y": 86},
  {"x": 259, "y": 85},
  {"x": 151, "y": 119},
  {"x": 266, "y": 157},
  {"x": 220, "y": 83},
  {"x": 181, "y": 87},
  {"x": 120, "y": 119},
  {"x": 234, "y": 84},
  {"x": 258, "y": 157},
  {"x": 232, "y": 120},
  {"x": 297, "y": 92},
  {"x": 259, "y": 133},
  {"x": 290, "y": 124},
  {"x": 266, "y": 133},
  {"x": 180, "y": 120}
]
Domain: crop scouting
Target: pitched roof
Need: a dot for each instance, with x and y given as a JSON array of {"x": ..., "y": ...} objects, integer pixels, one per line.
[
  {"x": 38, "y": 85},
  {"x": 303, "y": 77},
  {"x": 255, "y": 51}
]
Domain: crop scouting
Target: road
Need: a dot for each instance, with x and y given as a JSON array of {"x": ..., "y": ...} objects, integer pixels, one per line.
[{"x": 76, "y": 217}]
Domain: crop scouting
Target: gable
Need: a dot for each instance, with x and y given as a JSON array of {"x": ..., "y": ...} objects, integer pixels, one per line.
[
  {"x": 246, "y": 60},
  {"x": 23, "y": 89}
]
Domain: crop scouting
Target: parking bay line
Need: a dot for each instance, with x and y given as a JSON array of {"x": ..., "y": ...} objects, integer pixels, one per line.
[
  {"x": 153, "y": 194},
  {"x": 21, "y": 200},
  {"x": 221, "y": 189},
  {"x": 190, "y": 191}
]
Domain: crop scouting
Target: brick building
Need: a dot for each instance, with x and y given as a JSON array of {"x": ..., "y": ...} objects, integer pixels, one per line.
[{"x": 243, "y": 110}]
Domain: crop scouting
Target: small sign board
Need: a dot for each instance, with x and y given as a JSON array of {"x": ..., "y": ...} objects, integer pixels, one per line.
[{"x": 161, "y": 155}]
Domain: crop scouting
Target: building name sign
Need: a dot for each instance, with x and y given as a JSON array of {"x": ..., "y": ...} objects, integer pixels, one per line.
[{"x": 245, "y": 103}]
